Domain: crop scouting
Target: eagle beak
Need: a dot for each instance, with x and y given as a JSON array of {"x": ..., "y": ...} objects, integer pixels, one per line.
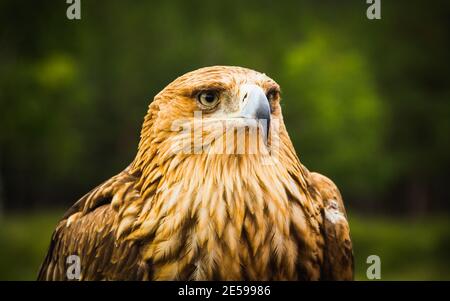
[{"x": 255, "y": 105}]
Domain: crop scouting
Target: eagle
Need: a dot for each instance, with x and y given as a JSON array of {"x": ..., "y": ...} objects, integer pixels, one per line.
[{"x": 216, "y": 192}]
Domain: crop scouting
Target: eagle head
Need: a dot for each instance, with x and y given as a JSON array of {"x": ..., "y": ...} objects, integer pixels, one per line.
[{"x": 216, "y": 110}]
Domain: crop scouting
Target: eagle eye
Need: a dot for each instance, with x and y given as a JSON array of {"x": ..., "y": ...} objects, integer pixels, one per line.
[
  {"x": 272, "y": 95},
  {"x": 208, "y": 98}
]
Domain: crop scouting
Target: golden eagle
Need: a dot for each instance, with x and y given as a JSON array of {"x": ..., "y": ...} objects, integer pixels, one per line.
[{"x": 199, "y": 203}]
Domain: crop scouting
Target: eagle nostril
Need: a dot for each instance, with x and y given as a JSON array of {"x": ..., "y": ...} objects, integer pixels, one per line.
[{"x": 245, "y": 96}]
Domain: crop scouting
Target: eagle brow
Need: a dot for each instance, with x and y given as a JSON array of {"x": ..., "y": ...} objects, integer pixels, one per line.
[
  {"x": 273, "y": 89},
  {"x": 218, "y": 87}
]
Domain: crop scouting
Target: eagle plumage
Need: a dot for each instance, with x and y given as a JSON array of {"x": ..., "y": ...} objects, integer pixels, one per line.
[{"x": 203, "y": 215}]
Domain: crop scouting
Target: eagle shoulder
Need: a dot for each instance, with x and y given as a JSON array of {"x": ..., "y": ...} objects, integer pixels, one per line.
[
  {"x": 89, "y": 230},
  {"x": 338, "y": 252}
]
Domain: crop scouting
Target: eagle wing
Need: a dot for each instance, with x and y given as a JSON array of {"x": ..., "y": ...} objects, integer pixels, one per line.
[
  {"x": 338, "y": 254},
  {"x": 88, "y": 230}
]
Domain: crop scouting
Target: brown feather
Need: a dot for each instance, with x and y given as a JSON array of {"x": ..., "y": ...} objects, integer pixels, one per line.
[{"x": 173, "y": 215}]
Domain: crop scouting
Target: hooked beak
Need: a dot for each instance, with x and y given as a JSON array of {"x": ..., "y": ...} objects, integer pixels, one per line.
[{"x": 255, "y": 105}]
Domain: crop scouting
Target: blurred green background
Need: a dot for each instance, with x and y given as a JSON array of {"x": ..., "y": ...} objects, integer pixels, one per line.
[{"x": 366, "y": 102}]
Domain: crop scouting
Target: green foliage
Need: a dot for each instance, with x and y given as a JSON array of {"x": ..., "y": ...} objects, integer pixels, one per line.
[
  {"x": 408, "y": 249},
  {"x": 24, "y": 240},
  {"x": 334, "y": 113}
]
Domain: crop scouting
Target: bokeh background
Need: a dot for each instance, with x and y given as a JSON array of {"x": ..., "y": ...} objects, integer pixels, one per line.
[{"x": 366, "y": 103}]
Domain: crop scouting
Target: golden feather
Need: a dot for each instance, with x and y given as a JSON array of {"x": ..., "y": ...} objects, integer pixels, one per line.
[{"x": 225, "y": 210}]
